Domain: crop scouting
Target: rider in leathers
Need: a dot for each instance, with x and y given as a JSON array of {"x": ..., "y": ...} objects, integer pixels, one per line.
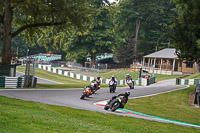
[
  {"x": 125, "y": 96},
  {"x": 115, "y": 81}
]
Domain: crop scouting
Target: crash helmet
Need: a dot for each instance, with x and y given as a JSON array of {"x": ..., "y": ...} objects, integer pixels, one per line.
[
  {"x": 127, "y": 93},
  {"x": 98, "y": 78},
  {"x": 127, "y": 74},
  {"x": 113, "y": 77}
]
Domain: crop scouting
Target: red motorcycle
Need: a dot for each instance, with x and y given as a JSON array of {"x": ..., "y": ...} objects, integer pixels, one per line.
[{"x": 86, "y": 92}]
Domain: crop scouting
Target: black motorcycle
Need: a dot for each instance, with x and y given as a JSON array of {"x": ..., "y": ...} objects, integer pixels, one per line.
[{"x": 114, "y": 104}]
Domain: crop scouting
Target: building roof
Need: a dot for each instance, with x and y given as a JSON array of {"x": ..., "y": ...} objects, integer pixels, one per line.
[{"x": 165, "y": 53}]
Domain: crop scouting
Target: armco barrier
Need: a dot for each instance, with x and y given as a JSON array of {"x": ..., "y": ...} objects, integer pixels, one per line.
[
  {"x": 11, "y": 82},
  {"x": 141, "y": 81},
  {"x": 180, "y": 81}
]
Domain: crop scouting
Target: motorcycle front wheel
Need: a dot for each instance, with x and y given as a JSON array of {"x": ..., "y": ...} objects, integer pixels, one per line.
[
  {"x": 106, "y": 107},
  {"x": 114, "y": 105},
  {"x": 82, "y": 96}
]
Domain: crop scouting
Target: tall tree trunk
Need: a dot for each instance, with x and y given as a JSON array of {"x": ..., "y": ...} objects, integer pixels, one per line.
[
  {"x": 93, "y": 59},
  {"x": 6, "y": 50},
  {"x": 136, "y": 37}
]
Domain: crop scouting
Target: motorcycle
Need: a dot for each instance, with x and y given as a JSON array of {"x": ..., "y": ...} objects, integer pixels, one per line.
[
  {"x": 86, "y": 92},
  {"x": 95, "y": 87},
  {"x": 112, "y": 86},
  {"x": 114, "y": 104},
  {"x": 130, "y": 83}
]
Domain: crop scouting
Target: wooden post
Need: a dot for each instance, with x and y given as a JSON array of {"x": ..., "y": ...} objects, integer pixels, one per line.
[
  {"x": 173, "y": 65},
  {"x": 148, "y": 62},
  {"x": 167, "y": 64},
  {"x": 143, "y": 61},
  {"x": 161, "y": 60},
  {"x": 154, "y": 66}
]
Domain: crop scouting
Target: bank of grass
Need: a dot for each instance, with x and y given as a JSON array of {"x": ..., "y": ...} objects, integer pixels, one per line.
[
  {"x": 29, "y": 117},
  {"x": 120, "y": 74},
  {"x": 68, "y": 82},
  {"x": 193, "y": 76},
  {"x": 173, "y": 105},
  {"x": 56, "y": 77},
  {"x": 160, "y": 77}
]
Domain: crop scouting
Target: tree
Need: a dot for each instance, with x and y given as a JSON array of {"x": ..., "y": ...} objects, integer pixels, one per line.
[
  {"x": 124, "y": 53},
  {"x": 98, "y": 38},
  {"x": 186, "y": 29},
  {"x": 145, "y": 24},
  {"x": 32, "y": 17}
]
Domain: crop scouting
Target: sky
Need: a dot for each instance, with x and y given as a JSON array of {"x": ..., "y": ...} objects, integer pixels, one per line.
[{"x": 111, "y": 1}]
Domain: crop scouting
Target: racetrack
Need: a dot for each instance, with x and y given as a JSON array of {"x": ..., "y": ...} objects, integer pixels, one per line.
[{"x": 71, "y": 98}]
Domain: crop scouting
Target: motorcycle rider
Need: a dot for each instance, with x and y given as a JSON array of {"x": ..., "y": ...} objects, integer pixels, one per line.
[
  {"x": 125, "y": 96},
  {"x": 114, "y": 80},
  {"x": 128, "y": 77},
  {"x": 98, "y": 82}
]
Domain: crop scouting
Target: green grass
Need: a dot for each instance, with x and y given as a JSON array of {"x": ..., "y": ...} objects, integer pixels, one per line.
[
  {"x": 193, "y": 76},
  {"x": 173, "y": 105},
  {"x": 160, "y": 77},
  {"x": 55, "y": 77},
  {"x": 68, "y": 82},
  {"x": 121, "y": 74},
  {"x": 20, "y": 116}
]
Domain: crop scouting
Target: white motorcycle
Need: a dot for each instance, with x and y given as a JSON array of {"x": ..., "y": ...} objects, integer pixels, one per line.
[{"x": 130, "y": 83}]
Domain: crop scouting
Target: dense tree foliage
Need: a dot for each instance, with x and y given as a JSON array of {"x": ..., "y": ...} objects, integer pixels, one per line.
[
  {"x": 98, "y": 37},
  {"x": 34, "y": 16},
  {"x": 144, "y": 24},
  {"x": 186, "y": 30},
  {"x": 130, "y": 28}
]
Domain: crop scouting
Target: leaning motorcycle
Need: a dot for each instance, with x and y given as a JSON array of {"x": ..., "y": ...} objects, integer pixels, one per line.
[
  {"x": 130, "y": 83},
  {"x": 112, "y": 86},
  {"x": 87, "y": 91},
  {"x": 95, "y": 87},
  {"x": 115, "y": 103}
]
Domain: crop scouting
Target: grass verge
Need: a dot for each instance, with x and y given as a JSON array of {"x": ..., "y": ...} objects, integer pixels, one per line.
[
  {"x": 193, "y": 76},
  {"x": 173, "y": 105},
  {"x": 120, "y": 74},
  {"x": 68, "y": 82},
  {"x": 25, "y": 116}
]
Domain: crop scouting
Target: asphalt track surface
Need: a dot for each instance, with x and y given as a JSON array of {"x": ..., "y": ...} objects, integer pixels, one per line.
[{"x": 71, "y": 97}]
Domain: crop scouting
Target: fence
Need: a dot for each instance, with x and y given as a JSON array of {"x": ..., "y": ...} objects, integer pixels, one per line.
[
  {"x": 141, "y": 81},
  {"x": 180, "y": 81},
  {"x": 11, "y": 82}
]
